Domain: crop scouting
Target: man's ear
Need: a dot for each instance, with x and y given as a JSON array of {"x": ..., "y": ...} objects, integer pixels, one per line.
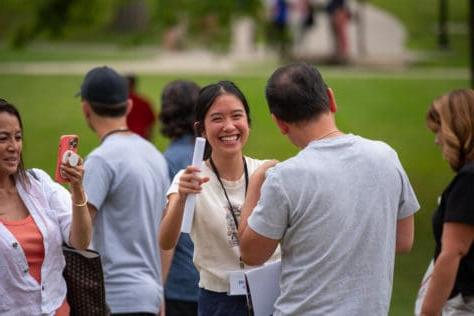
[
  {"x": 332, "y": 101},
  {"x": 129, "y": 106},
  {"x": 282, "y": 126}
]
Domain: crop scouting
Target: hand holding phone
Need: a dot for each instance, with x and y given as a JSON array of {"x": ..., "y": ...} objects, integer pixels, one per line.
[{"x": 67, "y": 153}]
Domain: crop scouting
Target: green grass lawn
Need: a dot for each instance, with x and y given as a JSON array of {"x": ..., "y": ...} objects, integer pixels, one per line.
[{"x": 381, "y": 108}]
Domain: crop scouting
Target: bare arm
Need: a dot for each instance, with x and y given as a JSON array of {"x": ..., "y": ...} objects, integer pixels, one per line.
[
  {"x": 170, "y": 227},
  {"x": 166, "y": 261},
  {"x": 81, "y": 225},
  {"x": 405, "y": 234},
  {"x": 255, "y": 249},
  {"x": 456, "y": 241}
]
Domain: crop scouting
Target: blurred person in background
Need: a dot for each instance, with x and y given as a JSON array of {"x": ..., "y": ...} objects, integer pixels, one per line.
[
  {"x": 339, "y": 16},
  {"x": 278, "y": 33},
  {"x": 37, "y": 215},
  {"x": 142, "y": 117},
  {"x": 451, "y": 287},
  {"x": 178, "y": 100}
]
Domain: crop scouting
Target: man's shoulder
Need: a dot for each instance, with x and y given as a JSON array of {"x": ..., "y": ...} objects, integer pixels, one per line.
[
  {"x": 376, "y": 147},
  {"x": 131, "y": 143},
  {"x": 132, "y": 149},
  {"x": 289, "y": 168}
]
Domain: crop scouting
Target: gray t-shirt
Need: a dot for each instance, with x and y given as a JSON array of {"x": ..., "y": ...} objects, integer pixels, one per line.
[
  {"x": 335, "y": 207},
  {"x": 126, "y": 179}
]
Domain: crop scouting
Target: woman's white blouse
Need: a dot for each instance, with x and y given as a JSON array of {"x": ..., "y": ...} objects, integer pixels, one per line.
[{"x": 20, "y": 294}]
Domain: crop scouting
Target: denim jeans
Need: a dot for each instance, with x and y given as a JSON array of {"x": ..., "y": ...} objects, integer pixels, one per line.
[{"x": 220, "y": 304}]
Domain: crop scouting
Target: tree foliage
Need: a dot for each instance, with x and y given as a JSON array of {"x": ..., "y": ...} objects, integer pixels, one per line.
[{"x": 22, "y": 21}]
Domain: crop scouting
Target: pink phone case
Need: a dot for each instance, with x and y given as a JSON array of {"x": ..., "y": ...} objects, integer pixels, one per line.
[{"x": 66, "y": 142}]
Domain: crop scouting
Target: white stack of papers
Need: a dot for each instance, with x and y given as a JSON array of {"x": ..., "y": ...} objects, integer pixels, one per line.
[{"x": 264, "y": 286}]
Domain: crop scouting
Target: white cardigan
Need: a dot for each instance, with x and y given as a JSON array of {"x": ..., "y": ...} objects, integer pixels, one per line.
[{"x": 20, "y": 294}]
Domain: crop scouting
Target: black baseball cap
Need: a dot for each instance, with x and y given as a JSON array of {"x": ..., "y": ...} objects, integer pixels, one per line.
[{"x": 103, "y": 85}]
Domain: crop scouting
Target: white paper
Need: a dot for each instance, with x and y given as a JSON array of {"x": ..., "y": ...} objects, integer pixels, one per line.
[
  {"x": 237, "y": 283},
  {"x": 188, "y": 215},
  {"x": 264, "y": 287}
]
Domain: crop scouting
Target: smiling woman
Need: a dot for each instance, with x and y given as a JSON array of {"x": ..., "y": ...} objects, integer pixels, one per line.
[
  {"x": 36, "y": 218},
  {"x": 222, "y": 117}
]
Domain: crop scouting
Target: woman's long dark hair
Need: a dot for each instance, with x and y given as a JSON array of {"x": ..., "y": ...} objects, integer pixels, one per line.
[
  {"x": 206, "y": 98},
  {"x": 20, "y": 175}
]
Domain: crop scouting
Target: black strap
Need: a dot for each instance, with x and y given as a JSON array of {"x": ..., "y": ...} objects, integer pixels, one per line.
[
  {"x": 234, "y": 216},
  {"x": 114, "y": 131}
]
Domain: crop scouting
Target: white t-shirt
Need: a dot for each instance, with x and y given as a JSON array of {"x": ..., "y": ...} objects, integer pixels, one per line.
[{"x": 216, "y": 247}]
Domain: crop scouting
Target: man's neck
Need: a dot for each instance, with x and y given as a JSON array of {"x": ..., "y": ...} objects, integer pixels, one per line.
[
  {"x": 105, "y": 126},
  {"x": 322, "y": 128}
]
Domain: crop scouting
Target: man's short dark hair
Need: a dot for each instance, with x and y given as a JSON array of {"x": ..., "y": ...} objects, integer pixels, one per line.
[
  {"x": 109, "y": 110},
  {"x": 297, "y": 93}
]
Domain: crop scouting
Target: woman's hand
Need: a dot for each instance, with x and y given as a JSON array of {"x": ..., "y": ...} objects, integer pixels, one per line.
[
  {"x": 267, "y": 165},
  {"x": 73, "y": 174},
  {"x": 259, "y": 174},
  {"x": 81, "y": 224},
  {"x": 253, "y": 193},
  {"x": 170, "y": 227},
  {"x": 190, "y": 182}
]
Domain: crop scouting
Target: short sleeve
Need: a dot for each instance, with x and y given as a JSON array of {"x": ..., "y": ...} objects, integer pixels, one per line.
[
  {"x": 408, "y": 203},
  {"x": 97, "y": 180},
  {"x": 174, "y": 184},
  {"x": 460, "y": 200},
  {"x": 270, "y": 216}
]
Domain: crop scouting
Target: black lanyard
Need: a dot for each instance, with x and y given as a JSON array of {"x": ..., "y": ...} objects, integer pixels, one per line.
[
  {"x": 246, "y": 172},
  {"x": 234, "y": 216},
  {"x": 114, "y": 131}
]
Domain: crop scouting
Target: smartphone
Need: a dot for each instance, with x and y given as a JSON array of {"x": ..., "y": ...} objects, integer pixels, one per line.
[{"x": 67, "y": 144}]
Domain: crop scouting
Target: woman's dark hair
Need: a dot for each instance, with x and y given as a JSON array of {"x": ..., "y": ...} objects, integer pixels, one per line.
[
  {"x": 178, "y": 100},
  {"x": 6, "y": 107},
  {"x": 206, "y": 98}
]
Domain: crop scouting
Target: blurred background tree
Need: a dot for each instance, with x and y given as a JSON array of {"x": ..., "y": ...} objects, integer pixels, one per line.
[{"x": 206, "y": 22}]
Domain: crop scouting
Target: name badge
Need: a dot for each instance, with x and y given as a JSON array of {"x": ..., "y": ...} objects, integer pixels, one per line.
[{"x": 237, "y": 283}]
